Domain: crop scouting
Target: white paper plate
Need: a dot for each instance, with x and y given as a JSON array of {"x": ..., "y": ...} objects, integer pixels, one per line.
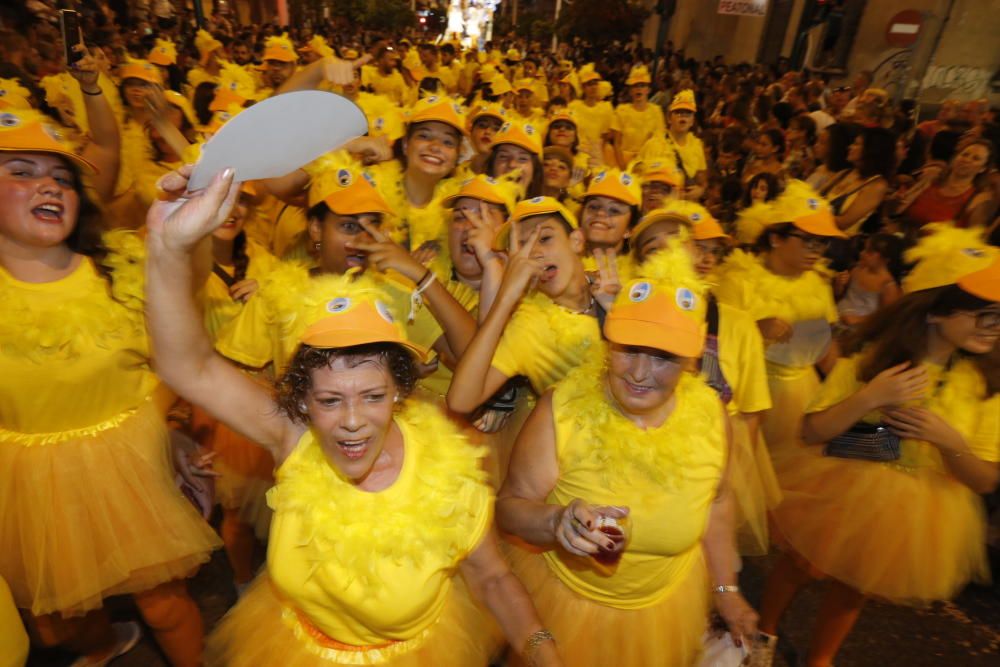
[{"x": 279, "y": 135}]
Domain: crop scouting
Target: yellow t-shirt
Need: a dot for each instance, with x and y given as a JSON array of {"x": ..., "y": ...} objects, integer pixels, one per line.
[
  {"x": 71, "y": 356},
  {"x": 957, "y": 395},
  {"x": 369, "y": 567},
  {"x": 392, "y": 85},
  {"x": 741, "y": 358},
  {"x": 220, "y": 308},
  {"x": 667, "y": 477},
  {"x": 268, "y": 328},
  {"x": 691, "y": 152},
  {"x": 544, "y": 342},
  {"x": 638, "y": 127},
  {"x": 592, "y": 123}
]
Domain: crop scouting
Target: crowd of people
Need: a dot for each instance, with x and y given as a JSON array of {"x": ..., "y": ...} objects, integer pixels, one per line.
[{"x": 519, "y": 376}]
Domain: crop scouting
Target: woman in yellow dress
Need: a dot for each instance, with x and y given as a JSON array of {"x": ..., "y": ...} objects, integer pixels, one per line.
[
  {"x": 785, "y": 290},
  {"x": 906, "y": 526},
  {"x": 618, "y": 484},
  {"x": 732, "y": 364},
  {"x": 88, "y": 505},
  {"x": 379, "y": 500},
  {"x": 245, "y": 469}
]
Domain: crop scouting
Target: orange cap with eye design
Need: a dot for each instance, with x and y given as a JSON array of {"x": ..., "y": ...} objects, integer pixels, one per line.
[{"x": 27, "y": 131}]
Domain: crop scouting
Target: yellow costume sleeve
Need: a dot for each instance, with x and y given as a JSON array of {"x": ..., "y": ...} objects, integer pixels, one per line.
[
  {"x": 839, "y": 385},
  {"x": 741, "y": 351}
]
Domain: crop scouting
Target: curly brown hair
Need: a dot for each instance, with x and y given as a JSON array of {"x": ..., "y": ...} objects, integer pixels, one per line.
[{"x": 293, "y": 386}]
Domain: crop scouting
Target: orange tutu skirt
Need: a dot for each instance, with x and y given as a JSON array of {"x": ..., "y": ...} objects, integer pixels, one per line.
[
  {"x": 755, "y": 489},
  {"x": 262, "y": 630},
  {"x": 907, "y": 535},
  {"x": 93, "y": 513},
  {"x": 589, "y": 634},
  {"x": 246, "y": 473}
]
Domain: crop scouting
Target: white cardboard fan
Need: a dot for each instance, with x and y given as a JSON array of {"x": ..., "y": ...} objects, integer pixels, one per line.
[{"x": 279, "y": 135}]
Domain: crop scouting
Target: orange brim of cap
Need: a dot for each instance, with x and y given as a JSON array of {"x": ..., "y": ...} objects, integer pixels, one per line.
[
  {"x": 475, "y": 190},
  {"x": 671, "y": 332},
  {"x": 224, "y": 98},
  {"x": 280, "y": 55},
  {"x": 662, "y": 176},
  {"x": 820, "y": 223},
  {"x": 34, "y": 139},
  {"x": 683, "y": 106},
  {"x": 330, "y": 333},
  {"x": 984, "y": 283},
  {"x": 357, "y": 198},
  {"x": 708, "y": 229},
  {"x": 161, "y": 60}
]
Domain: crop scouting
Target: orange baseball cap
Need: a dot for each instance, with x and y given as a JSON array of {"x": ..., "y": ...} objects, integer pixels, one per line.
[
  {"x": 485, "y": 188},
  {"x": 163, "y": 53},
  {"x": 529, "y": 208},
  {"x": 683, "y": 101},
  {"x": 142, "y": 70},
  {"x": 984, "y": 283},
  {"x": 224, "y": 98},
  {"x": 348, "y": 191},
  {"x": 708, "y": 229},
  {"x": 620, "y": 185},
  {"x": 660, "y": 316},
  {"x": 802, "y": 206},
  {"x": 686, "y": 213},
  {"x": 490, "y": 111},
  {"x": 441, "y": 109},
  {"x": 280, "y": 49},
  {"x": 661, "y": 172},
  {"x": 27, "y": 131},
  {"x": 526, "y": 136},
  {"x": 564, "y": 115},
  {"x": 352, "y": 320}
]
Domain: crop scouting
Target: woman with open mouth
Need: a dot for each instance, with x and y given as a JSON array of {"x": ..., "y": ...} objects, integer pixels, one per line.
[
  {"x": 380, "y": 502},
  {"x": 618, "y": 481},
  {"x": 88, "y": 504}
]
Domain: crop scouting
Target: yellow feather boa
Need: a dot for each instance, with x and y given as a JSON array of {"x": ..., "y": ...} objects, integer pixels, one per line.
[
  {"x": 359, "y": 530},
  {"x": 568, "y": 331},
  {"x": 100, "y": 316},
  {"x": 604, "y": 439},
  {"x": 745, "y": 283}
]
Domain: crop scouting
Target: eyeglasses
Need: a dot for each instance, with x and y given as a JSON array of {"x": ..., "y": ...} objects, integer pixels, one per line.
[
  {"x": 810, "y": 241},
  {"x": 986, "y": 319},
  {"x": 842, "y": 89},
  {"x": 713, "y": 249}
]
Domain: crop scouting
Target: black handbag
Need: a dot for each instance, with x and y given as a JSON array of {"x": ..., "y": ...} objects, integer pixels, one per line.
[{"x": 865, "y": 442}]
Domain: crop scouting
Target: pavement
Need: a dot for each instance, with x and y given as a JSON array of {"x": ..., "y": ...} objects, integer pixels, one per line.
[{"x": 961, "y": 633}]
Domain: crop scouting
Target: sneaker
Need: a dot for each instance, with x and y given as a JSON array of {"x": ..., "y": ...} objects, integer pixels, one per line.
[
  {"x": 762, "y": 653},
  {"x": 127, "y": 636}
]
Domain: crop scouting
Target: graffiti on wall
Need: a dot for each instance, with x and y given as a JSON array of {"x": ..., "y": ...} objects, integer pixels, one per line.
[{"x": 958, "y": 81}]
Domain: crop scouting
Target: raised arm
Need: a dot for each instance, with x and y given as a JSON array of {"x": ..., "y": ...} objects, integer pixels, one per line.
[
  {"x": 475, "y": 379},
  {"x": 182, "y": 352},
  {"x": 104, "y": 149}
]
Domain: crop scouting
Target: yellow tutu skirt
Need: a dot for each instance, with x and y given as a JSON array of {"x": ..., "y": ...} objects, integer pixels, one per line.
[
  {"x": 908, "y": 535},
  {"x": 93, "y": 513},
  {"x": 792, "y": 389},
  {"x": 262, "y": 630},
  {"x": 590, "y": 634},
  {"x": 247, "y": 472},
  {"x": 755, "y": 489}
]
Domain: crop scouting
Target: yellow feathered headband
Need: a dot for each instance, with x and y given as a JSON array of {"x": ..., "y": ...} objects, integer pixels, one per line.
[
  {"x": 13, "y": 95},
  {"x": 206, "y": 45}
]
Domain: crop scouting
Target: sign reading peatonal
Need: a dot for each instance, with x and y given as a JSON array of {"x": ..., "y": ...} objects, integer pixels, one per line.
[{"x": 743, "y": 7}]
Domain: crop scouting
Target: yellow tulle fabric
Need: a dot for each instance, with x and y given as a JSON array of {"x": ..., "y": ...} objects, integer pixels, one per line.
[
  {"x": 590, "y": 634},
  {"x": 94, "y": 516},
  {"x": 464, "y": 635},
  {"x": 906, "y": 531}
]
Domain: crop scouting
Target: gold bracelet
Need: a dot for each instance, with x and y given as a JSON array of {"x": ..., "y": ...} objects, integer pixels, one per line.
[{"x": 533, "y": 642}]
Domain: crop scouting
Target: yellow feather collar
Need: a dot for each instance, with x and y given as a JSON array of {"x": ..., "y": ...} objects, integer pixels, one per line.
[
  {"x": 357, "y": 530},
  {"x": 744, "y": 282}
]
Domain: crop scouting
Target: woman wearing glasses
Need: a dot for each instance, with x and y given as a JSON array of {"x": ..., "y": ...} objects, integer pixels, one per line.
[
  {"x": 905, "y": 525},
  {"x": 786, "y": 292}
]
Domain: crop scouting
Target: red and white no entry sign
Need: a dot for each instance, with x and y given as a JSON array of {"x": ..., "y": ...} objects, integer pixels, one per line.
[{"x": 904, "y": 28}]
